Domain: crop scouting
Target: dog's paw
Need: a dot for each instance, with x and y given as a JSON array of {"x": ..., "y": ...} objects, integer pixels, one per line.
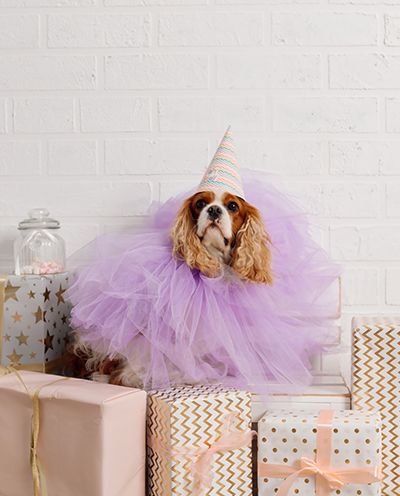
[{"x": 125, "y": 376}]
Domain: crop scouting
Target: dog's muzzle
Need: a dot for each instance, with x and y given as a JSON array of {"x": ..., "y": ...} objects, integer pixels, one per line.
[{"x": 214, "y": 212}]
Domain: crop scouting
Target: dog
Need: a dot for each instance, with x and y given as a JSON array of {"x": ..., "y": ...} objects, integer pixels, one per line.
[
  {"x": 216, "y": 233},
  {"x": 217, "y": 229}
]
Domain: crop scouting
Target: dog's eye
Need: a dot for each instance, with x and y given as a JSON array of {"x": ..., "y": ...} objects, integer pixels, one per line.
[
  {"x": 233, "y": 206},
  {"x": 201, "y": 204}
]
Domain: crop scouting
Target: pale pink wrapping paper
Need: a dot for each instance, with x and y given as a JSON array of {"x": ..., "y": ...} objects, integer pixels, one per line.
[{"x": 91, "y": 441}]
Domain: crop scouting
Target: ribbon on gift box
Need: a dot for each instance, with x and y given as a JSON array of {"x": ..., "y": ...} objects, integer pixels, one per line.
[
  {"x": 39, "y": 480},
  {"x": 202, "y": 457},
  {"x": 327, "y": 478}
]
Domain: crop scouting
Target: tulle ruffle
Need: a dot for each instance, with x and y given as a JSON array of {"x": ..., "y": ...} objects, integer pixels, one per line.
[{"x": 177, "y": 326}]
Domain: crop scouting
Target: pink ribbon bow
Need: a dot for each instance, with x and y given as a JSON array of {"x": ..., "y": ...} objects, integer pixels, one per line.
[
  {"x": 327, "y": 477},
  {"x": 310, "y": 467},
  {"x": 230, "y": 439},
  {"x": 202, "y": 458}
]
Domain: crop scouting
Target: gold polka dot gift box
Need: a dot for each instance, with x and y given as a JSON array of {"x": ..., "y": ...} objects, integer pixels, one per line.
[
  {"x": 199, "y": 442},
  {"x": 33, "y": 321},
  {"x": 376, "y": 385},
  {"x": 322, "y": 454}
]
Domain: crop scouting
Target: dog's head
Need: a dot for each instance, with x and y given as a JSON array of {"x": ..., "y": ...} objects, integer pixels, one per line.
[{"x": 214, "y": 228}]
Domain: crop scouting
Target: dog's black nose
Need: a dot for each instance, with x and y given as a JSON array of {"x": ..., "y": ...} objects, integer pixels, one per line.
[{"x": 214, "y": 212}]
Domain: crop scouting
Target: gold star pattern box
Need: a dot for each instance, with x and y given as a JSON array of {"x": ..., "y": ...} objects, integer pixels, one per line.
[
  {"x": 376, "y": 385},
  {"x": 325, "y": 453},
  {"x": 199, "y": 442},
  {"x": 33, "y": 321}
]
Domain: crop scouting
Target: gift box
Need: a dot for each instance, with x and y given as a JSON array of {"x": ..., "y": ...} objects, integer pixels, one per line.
[
  {"x": 85, "y": 438},
  {"x": 199, "y": 442},
  {"x": 321, "y": 454},
  {"x": 376, "y": 385},
  {"x": 33, "y": 321}
]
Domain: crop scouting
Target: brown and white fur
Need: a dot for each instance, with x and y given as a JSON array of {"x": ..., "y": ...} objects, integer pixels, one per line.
[
  {"x": 217, "y": 229},
  {"x": 213, "y": 232}
]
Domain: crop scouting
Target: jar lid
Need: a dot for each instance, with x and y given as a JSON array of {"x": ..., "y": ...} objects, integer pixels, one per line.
[{"x": 39, "y": 219}]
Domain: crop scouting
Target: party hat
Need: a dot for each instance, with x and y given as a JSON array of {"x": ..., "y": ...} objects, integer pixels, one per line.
[{"x": 222, "y": 175}]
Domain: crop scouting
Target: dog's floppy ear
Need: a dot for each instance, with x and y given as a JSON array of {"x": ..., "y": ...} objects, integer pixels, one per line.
[
  {"x": 251, "y": 257},
  {"x": 187, "y": 244}
]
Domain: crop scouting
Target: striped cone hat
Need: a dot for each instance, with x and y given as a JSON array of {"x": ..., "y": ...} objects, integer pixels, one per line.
[{"x": 222, "y": 175}]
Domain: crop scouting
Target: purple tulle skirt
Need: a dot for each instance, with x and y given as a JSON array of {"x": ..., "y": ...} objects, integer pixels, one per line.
[{"x": 176, "y": 325}]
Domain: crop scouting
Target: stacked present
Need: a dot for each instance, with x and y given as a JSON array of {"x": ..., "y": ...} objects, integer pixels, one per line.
[
  {"x": 376, "y": 386},
  {"x": 33, "y": 321},
  {"x": 65, "y": 436},
  {"x": 199, "y": 438}
]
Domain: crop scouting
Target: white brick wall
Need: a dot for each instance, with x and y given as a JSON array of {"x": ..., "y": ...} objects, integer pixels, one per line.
[{"x": 106, "y": 105}]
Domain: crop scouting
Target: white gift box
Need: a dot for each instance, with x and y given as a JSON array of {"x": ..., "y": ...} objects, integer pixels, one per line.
[
  {"x": 376, "y": 385},
  {"x": 290, "y": 443}
]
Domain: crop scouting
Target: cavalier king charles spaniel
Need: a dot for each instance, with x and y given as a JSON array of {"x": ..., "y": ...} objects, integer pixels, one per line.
[
  {"x": 215, "y": 233},
  {"x": 217, "y": 229}
]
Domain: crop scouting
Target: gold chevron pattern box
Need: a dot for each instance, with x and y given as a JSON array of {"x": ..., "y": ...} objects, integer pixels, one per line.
[
  {"x": 33, "y": 321},
  {"x": 199, "y": 442},
  {"x": 376, "y": 386}
]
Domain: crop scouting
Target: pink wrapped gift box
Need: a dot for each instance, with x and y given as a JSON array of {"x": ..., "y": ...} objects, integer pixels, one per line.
[{"x": 91, "y": 440}]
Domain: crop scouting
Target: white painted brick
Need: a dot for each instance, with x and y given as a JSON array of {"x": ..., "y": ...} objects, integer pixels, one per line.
[
  {"x": 78, "y": 198},
  {"x": 393, "y": 199},
  {"x": 261, "y": 2},
  {"x": 69, "y": 157},
  {"x": 360, "y": 286},
  {"x": 163, "y": 156},
  {"x": 377, "y": 243},
  {"x": 364, "y": 71},
  {"x": 124, "y": 224},
  {"x": 76, "y": 236},
  {"x": 169, "y": 189},
  {"x": 156, "y": 71},
  {"x": 2, "y": 116},
  {"x": 168, "y": 104},
  {"x": 19, "y": 31},
  {"x": 115, "y": 114},
  {"x": 87, "y": 30},
  {"x": 43, "y": 115},
  {"x": 365, "y": 2},
  {"x": 48, "y": 3},
  {"x": 47, "y": 72},
  {"x": 324, "y": 29},
  {"x": 393, "y": 286},
  {"x": 329, "y": 115},
  {"x": 154, "y": 2},
  {"x": 330, "y": 363},
  {"x": 211, "y": 114},
  {"x": 211, "y": 29},
  {"x": 268, "y": 71},
  {"x": 7, "y": 235},
  {"x": 392, "y": 30},
  {"x": 393, "y": 115},
  {"x": 281, "y": 157},
  {"x": 337, "y": 200},
  {"x": 365, "y": 157},
  {"x": 19, "y": 158}
]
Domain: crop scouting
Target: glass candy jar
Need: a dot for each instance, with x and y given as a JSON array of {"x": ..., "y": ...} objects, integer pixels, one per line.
[{"x": 39, "y": 249}]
